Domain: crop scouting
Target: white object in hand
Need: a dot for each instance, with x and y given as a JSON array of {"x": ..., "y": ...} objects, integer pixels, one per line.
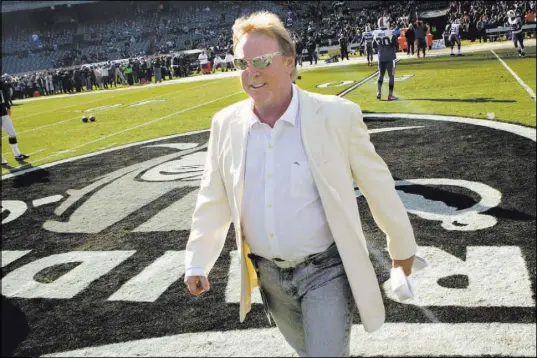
[{"x": 401, "y": 285}]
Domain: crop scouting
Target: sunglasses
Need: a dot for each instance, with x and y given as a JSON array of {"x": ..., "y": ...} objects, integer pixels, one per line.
[{"x": 259, "y": 62}]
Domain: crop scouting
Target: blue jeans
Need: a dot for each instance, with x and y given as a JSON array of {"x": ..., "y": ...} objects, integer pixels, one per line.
[{"x": 311, "y": 303}]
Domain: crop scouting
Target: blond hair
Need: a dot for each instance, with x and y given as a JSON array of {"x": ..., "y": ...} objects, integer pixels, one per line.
[{"x": 269, "y": 24}]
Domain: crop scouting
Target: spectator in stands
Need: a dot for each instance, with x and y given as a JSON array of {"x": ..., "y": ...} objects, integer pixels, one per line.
[
  {"x": 93, "y": 77},
  {"x": 104, "y": 75},
  {"x": 204, "y": 61},
  {"x": 78, "y": 80},
  {"x": 49, "y": 86},
  {"x": 128, "y": 72},
  {"x": 98, "y": 76},
  {"x": 135, "y": 70},
  {"x": 157, "y": 71},
  {"x": 410, "y": 38}
]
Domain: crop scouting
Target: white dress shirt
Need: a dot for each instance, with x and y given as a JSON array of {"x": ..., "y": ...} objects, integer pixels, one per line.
[{"x": 282, "y": 215}]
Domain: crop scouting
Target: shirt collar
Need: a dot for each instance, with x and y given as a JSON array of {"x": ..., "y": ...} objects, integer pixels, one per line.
[{"x": 290, "y": 115}]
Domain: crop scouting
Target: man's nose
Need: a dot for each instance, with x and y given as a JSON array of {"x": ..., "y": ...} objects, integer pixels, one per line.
[{"x": 252, "y": 71}]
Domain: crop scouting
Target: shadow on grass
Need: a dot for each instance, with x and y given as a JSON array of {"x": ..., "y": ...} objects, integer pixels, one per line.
[{"x": 33, "y": 176}]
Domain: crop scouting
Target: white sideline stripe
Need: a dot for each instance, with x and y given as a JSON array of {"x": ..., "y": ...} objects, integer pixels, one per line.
[
  {"x": 526, "y": 132},
  {"x": 522, "y": 131},
  {"x": 37, "y": 151},
  {"x": 78, "y": 117},
  {"x": 47, "y": 200},
  {"x": 382, "y": 130},
  {"x": 140, "y": 125},
  {"x": 525, "y": 86},
  {"x": 89, "y": 155},
  {"x": 393, "y": 339},
  {"x": 107, "y": 146}
]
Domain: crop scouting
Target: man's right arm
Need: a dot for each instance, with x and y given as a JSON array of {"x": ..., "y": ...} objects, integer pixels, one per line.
[{"x": 212, "y": 215}]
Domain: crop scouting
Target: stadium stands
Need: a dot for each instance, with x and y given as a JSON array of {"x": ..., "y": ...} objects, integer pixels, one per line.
[{"x": 41, "y": 38}]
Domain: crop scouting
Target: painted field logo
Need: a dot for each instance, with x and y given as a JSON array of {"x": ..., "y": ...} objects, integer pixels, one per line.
[{"x": 93, "y": 249}]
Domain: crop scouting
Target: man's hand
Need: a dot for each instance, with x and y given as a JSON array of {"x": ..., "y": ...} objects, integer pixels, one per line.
[
  {"x": 197, "y": 284},
  {"x": 405, "y": 264}
]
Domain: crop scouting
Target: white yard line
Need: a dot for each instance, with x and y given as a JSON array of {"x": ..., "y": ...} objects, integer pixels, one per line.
[
  {"x": 358, "y": 84},
  {"x": 78, "y": 117},
  {"x": 72, "y": 105},
  {"x": 37, "y": 151},
  {"x": 139, "y": 126},
  {"x": 525, "y": 86}
]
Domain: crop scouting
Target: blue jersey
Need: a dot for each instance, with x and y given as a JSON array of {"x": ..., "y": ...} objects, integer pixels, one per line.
[
  {"x": 386, "y": 43},
  {"x": 367, "y": 38}
]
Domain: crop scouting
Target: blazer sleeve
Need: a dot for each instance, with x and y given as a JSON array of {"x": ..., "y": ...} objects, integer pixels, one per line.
[
  {"x": 212, "y": 215},
  {"x": 375, "y": 182}
]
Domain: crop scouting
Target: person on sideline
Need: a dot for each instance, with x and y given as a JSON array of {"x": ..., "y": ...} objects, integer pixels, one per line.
[
  {"x": 280, "y": 166},
  {"x": 7, "y": 125}
]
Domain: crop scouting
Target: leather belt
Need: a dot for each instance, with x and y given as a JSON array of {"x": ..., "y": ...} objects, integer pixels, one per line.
[{"x": 285, "y": 264}]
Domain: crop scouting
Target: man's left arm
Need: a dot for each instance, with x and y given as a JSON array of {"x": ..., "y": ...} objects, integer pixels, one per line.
[{"x": 375, "y": 182}]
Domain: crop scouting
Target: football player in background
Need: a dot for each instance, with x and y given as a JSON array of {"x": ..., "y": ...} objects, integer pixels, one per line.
[
  {"x": 454, "y": 36},
  {"x": 385, "y": 41},
  {"x": 8, "y": 126},
  {"x": 515, "y": 23},
  {"x": 367, "y": 42}
]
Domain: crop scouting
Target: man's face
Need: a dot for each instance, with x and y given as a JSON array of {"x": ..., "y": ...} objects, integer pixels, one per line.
[{"x": 265, "y": 86}]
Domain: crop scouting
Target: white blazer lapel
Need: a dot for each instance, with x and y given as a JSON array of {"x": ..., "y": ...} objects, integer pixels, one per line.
[
  {"x": 239, "y": 140},
  {"x": 312, "y": 135}
]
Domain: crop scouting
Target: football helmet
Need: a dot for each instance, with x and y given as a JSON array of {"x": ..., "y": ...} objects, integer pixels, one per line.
[
  {"x": 511, "y": 13},
  {"x": 383, "y": 23}
]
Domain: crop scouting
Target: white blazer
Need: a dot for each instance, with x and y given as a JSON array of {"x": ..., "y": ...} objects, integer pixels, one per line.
[{"x": 339, "y": 151}]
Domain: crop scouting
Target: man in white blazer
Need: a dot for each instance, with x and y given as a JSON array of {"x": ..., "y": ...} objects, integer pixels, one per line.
[{"x": 281, "y": 166}]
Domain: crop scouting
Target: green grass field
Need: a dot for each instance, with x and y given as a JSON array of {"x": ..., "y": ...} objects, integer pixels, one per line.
[{"x": 471, "y": 86}]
